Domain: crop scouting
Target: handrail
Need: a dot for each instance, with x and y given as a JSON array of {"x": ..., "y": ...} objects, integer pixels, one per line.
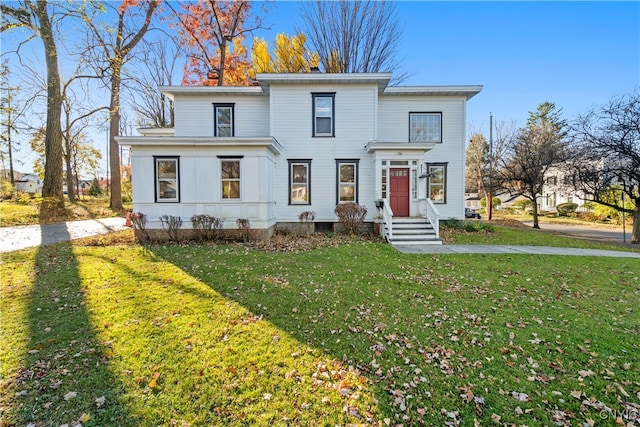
[
  {"x": 433, "y": 216},
  {"x": 387, "y": 219}
]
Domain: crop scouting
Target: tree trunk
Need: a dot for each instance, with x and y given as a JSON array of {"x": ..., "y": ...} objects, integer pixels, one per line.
[
  {"x": 635, "y": 228},
  {"x": 53, "y": 136},
  {"x": 9, "y": 148},
  {"x": 535, "y": 214},
  {"x": 114, "y": 130},
  {"x": 69, "y": 172}
]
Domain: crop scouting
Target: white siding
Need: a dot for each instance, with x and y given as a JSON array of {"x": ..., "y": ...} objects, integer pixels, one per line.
[
  {"x": 194, "y": 115},
  {"x": 200, "y": 186},
  {"x": 394, "y": 127},
  {"x": 291, "y": 125}
]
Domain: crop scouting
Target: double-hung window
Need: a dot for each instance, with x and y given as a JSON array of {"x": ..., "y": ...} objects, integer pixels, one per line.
[
  {"x": 223, "y": 120},
  {"x": 299, "y": 182},
  {"x": 347, "y": 181},
  {"x": 167, "y": 172},
  {"x": 425, "y": 127},
  {"x": 323, "y": 114},
  {"x": 437, "y": 182},
  {"x": 230, "y": 178}
]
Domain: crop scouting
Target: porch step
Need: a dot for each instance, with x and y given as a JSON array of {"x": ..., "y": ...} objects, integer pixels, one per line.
[{"x": 413, "y": 231}]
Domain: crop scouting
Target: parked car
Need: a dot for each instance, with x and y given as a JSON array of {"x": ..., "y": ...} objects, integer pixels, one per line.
[{"x": 470, "y": 213}]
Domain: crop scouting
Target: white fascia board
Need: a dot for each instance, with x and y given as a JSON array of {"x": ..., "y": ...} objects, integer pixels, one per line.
[
  {"x": 379, "y": 79},
  {"x": 468, "y": 91},
  {"x": 270, "y": 143},
  {"x": 171, "y": 91}
]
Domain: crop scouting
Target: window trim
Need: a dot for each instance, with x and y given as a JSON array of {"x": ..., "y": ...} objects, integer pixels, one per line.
[
  {"x": 217, "y": 105},
  {"x": 291, "y": 163},
  {"x": 356, "y": 163},
  {"x": 222, "y": 159},
  {"x": 438, "y": 113},
  {"x": 314, "y": 96},
  {"x": 443, "y": 165},
  {"x": 157, "y": 198}
]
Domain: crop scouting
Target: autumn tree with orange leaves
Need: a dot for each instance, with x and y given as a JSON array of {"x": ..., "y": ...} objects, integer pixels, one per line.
[{"x": 213, "y": 32}]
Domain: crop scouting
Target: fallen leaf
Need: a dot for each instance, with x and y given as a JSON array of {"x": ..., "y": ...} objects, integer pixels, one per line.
[
  {"x": 586, "y": 373},
  {"x": 70, "y": 395},
  {"x": 100, "y": 401},
  {"x": 154, "y": 382}
]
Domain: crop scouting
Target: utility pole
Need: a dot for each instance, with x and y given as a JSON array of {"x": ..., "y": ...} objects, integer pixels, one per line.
[{"x": 490, "y": 193}]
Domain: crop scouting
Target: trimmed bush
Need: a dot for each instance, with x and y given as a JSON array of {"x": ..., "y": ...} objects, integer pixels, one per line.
[
  {"x": 351, "y": 216},
  {"x": 206, "y": 227},
  {"x": 172, "y": 225},
  {"x": 564, "y": 209}
]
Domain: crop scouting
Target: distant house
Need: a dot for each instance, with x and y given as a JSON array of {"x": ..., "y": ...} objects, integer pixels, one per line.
[
  {"x": 557, "y": 189},
  {"x": 307, "y": 142},
  {"x": 472, "y": 201},
  {"x": 29, "y": 183}
]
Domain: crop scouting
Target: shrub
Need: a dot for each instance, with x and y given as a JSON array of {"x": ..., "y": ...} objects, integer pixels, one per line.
[
  {"x": 172, "y": 225},
  {"x": 307, "y": 216},
  {"x": 207, "y": 227},
  {"x": 139, "y": 223},
  {"x": 495, "y": 202},
  {"x": 95, "y": 189},
  {"x": 244, "y": 225},
  {"x": 351, "y": 216},
  {"x": 6, "y": 190},
  {"x": 564, "y": 209},
  {"x": 523, "y": 205},
  {"x": 477, "y": 227}
]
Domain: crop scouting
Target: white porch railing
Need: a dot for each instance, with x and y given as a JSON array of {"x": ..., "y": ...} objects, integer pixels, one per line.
[
  {"x": 387, "y": 220},
  {"x": 433, "y": 216}
]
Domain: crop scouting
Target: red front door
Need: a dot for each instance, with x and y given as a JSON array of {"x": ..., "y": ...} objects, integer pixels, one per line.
[{"x": 399, "y": 191}]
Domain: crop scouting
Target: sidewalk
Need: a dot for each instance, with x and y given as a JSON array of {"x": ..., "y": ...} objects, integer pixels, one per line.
[
  {"x": 508, "y": 249},
  {"x": 28, "y": 236}
]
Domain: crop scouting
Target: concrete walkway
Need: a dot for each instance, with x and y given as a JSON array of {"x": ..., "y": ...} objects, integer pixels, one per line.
[
  {"x": 28, "y": 236},
  {"x": 508, "y": 249}
]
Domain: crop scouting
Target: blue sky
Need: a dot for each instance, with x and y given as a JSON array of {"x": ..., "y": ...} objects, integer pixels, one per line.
[{"x": 576, "y": 54}]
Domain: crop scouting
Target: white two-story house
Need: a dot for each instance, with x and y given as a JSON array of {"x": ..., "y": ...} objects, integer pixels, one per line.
[{"x": 305, "y": 142}]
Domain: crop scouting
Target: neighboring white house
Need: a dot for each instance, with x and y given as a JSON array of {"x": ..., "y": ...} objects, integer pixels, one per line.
[
  {"x": 557, "y": 189},
  {"x": 305, "y": 142},
  {"x": 29, "y": 183}
]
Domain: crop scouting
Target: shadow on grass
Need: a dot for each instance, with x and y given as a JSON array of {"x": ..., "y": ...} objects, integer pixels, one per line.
[
  {"x": 65, "y": 378},
  {"x": 301, "y": 299}
]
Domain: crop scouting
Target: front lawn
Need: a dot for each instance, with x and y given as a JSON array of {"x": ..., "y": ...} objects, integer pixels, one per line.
[
  {"x": 13, "y": 213},
  {"x": 357, "y": 333}
]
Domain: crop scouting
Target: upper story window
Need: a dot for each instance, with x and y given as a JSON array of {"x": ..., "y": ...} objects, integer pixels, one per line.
[
  {"x": 167, "y": 172},
  {"x": 437, "y": 182},
  {"x": 230, "y": 178},
  {"x": 347, "y": 181},
  {"x": 324, "y": 114},
  {"x": 425, "y": 127},
  {"x": 300, "y": 182},
  {"x": 223, "y": 120}
]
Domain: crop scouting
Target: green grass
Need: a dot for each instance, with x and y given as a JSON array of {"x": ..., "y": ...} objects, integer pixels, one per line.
[
  {"x": 492, "y": 234},
  {"x": 14, "y": 213},
  {"x": 354, "y": 334}
]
